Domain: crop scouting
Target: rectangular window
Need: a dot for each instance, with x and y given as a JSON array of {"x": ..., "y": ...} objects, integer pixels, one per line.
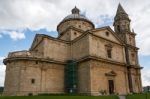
[
  {"x": 32, "y": 81},
  {"x": 109, "y": 53}
]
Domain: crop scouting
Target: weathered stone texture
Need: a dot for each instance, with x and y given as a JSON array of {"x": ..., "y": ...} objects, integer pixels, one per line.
[
  {"x": 84, "y": 78},
  {"x": 80, "y": 48},
  {"x": 12, "y": 78},
  {"x": 98, "y": 48},
  {"x": 99, "y": 79},
  {"x": 79, "y": 24},
  {"x": 56, "y": 50},
  {"x": 48, "y": 79}
]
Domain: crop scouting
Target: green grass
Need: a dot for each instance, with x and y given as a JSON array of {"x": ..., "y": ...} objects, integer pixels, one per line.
[
  {"x": 59, "y": 97},
  {"x": 139, "y": 96},
  {"x": 133, "y": 96}
]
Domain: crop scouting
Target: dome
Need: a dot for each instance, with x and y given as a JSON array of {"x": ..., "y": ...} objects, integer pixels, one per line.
[{"x": 75, "y": 16}]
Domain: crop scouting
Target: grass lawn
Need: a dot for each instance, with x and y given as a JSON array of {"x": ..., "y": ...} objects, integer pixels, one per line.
[
  {"x": 59, "y": 97},
  {"x": 139, "y": 96}
]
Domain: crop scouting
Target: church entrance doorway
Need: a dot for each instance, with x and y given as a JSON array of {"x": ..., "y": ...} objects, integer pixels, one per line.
[{"x": 111, "y": 86}]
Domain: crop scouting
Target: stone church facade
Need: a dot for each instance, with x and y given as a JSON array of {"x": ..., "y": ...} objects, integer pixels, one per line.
[{"x": 82, "y": 59}]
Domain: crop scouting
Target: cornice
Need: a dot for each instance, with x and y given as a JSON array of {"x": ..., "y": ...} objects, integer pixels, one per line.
[
  {"x": 33, "y": 59},
  {"x": 89, "y": 57}
]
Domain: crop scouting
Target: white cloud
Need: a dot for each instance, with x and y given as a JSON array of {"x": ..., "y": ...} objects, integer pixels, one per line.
[
  {"x": 145, "y": 76},
  {"x": 15, "y": 35},
  {"x": 1, "y": 58},
  {"x": 2, "y": 71},
  {"x": 2, "y": 74}
]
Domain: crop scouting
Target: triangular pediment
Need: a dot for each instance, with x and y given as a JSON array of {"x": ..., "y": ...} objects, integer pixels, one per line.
[
  {"x": 36, "y": 40},
  {"x": 108, "y": 34},
  {"x": 111, "y": 73}
]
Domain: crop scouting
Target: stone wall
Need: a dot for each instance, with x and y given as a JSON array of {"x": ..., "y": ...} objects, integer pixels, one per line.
[
  {"x": 133, "y": 56},
  {"x": 12, "y": 78},
  {"x": 75, "y": 34},
  {"x": 79, "y": 24},
  {"x": 131, "y": 39},
  {"x": 136, "y": 80},
  {"x": 70, "y": 34},
  {"x": 99, "y": 79},
  {"x": 84, "y": 86},
  {"x": 107, "y": 34},
  {"x": 56, "y": 50},
  {"x": 37, "y": 44},
  {"x": 98, "y": 49},
  {"x": 80, "y": 48},
  {"x": 48, "y": 78},
  {"x": 66, "y": 36}
]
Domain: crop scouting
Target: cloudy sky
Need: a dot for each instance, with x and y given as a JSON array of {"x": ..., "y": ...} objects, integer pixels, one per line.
[{"x": 20, "y": 20}]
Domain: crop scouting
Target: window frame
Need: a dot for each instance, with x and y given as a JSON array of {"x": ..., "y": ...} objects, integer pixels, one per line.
[
  {"x": 108, "y": 48},
  {"x": 109, "y": 53}
]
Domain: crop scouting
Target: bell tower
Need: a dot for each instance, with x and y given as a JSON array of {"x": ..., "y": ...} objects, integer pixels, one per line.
[
  {"x": 121, "y": 21},
  {"x": 122, "y": 28}
]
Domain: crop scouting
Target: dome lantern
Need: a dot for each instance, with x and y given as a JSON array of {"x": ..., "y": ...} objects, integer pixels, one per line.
[{"x": 75, "y": 10}]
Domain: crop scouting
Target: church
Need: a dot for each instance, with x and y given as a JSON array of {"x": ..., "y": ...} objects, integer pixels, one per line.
[{"x": 82, "y": 59}]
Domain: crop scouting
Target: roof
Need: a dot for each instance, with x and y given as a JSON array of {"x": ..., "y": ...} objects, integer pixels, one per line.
[
  {"x": 76, "y": 16},
  {"x": 121, "y": 14},
  {"x": 120, "y": 9}
]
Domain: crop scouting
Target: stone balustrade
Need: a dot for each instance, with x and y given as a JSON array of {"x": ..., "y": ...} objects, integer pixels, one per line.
[{"x": 25, "y": 54}]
